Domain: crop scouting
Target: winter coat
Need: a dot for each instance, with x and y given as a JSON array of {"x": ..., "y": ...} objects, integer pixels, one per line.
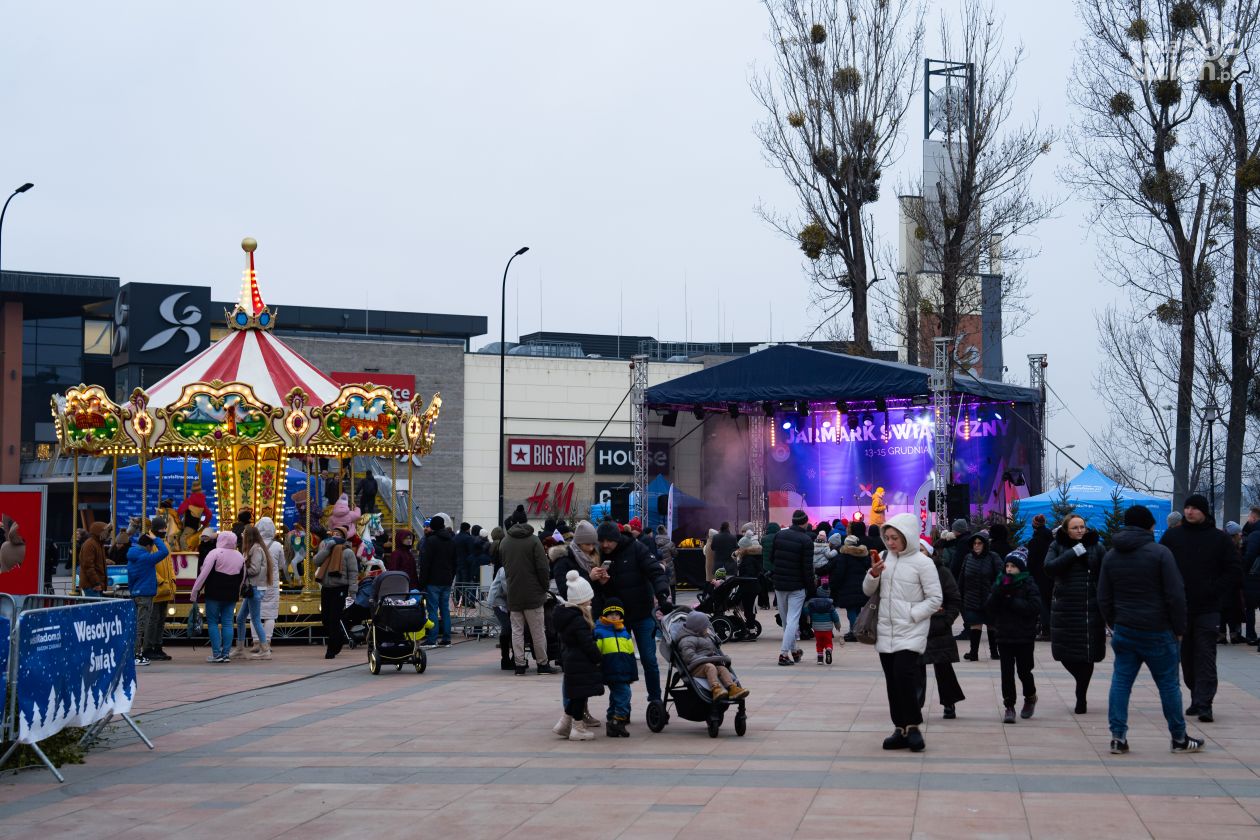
[
  {"x": 142, "y": 568},
  {"x": 1139, "y": 586},
  {"x": 221, "y": 571},
  {"x": 579, "y": 655},
  {"x": 437, "y": 560},
  {"x": 1077, "y": 632},
  {"x": 749, "y": 563},
  {"x": 349, "y": 574},
  {"x": 344, "y": 516},
  {"x": 793, "y": 561},
  {"x": 616, "y": 650},
  {"x": 696, "y": 650},
  {"x": 823, "y": 554},
  {"x": 847, "y": 571},
  {"x": 497, "y": 596},
  {"x": 92, "y": 574},
  {"x": 402, "y": 559},
  {"x": 565, "y": 557},
  {"x": 648, "y": 541},
  {"x": 275, "y": 557},
  {"x": 635, "y": 578},
  {"x": 767, "y": 547},
  {"x": 724, "y": 546},
  {"x": 1014, "y": 609},
  {"x": 528, "y": 574},
  {"x": 1040, "y": 548},
  {"x": 367, "y": 492},
  {"x": 464, "y": 542},
  {"x": 941, "y": 644},
  {"x": 979, "y": 573},
  {"x": 822, "y": 613},
  {"x": 1208, "y": 562},
  {"x": 909, "y": 592},
  {"x": 1251, "y": 564},
  {"x": 255, "y": 567}
]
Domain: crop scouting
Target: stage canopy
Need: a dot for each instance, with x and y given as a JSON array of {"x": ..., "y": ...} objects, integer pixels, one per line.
[
  {"x": 787, "y": 372},
  {"x": 1091, "y": 492}
]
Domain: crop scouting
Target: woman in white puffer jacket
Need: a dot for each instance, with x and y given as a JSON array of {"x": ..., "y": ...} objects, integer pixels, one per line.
[
  {"x": 909, "y": 592},
  {"x": 271, "y": 593}
]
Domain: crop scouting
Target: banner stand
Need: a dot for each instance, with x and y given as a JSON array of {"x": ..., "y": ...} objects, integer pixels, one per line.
[
  {"x": 51, "y": 768},
  {"x": 94, "y": 731}
]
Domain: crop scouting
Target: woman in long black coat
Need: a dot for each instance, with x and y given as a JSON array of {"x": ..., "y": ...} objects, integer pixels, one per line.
[
  {"x": 942, "y": 648},
  {"x": 1078, "y": 636}
]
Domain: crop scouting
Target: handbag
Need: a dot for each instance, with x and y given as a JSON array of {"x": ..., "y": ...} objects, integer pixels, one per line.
[{"x": 866, "y": 628}]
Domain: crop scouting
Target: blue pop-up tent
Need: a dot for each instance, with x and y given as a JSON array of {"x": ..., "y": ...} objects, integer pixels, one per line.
[{"x": 1091, "y": 492}]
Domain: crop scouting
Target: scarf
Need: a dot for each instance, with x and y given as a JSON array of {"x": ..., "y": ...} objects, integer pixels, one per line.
[
  {"x": 615, "y": 623},
  {"x": 1012, "y": 580},
  {"x": 583, "y": 559}
]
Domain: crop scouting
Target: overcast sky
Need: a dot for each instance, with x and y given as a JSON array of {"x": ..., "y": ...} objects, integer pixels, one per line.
[{"x": 395, "y": 154}]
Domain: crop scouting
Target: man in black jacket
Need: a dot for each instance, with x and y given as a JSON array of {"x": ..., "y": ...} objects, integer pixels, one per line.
[
  {"x": 1142, "y": 598},
  {"x": 634, "y": 577},
  {"x": 1209, "y": 565},
  {"x": 724, "y": 546},
  {"x": 793, "y": 577},
  {"x": 436, "y": 573}
]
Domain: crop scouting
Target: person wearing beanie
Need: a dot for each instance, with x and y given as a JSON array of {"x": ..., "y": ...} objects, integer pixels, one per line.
[
  {"x": 528, "y": 578},
  {"x": 1211, "y": 570},
  {"x": 580, "y": 657},
  {"x": 1077, "y": 634},
  {"x": 748, "y": 565},
  {"x": 980, "y": 569},
  {"x": 941, "y": 651},
  {"x": 1014, "y": 608},
  {"x": 1142, "y": 598},
  {"x": 879, "y": 509},
  {"x": 647, "y": 538},
  {"x": 1173, "y": 520},
  {"x": 1039, "y": 551},
  {"x": 629, "y": 573},
  {"x": 793, "y": 578},
  {"x": 703, "y": 658},
  {"x": 1232, "y": 610},
  {"x": 845, "y": 576},
  {"x": 909, "y": 591},
  {"x": 580, "y": 555},
  {"x": 435, "y": 575},
  {"x": 618, "y": 665}
]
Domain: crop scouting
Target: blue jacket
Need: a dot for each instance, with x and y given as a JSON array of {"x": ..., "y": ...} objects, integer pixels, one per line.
[
  {"x": 822, "y": 613},
  {"x": 142, "y": 567},
  {"x": 616, "y": 651}
]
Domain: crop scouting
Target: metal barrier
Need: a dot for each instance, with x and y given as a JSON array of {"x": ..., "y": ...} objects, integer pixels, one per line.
[{"x": 471, "y": 612}]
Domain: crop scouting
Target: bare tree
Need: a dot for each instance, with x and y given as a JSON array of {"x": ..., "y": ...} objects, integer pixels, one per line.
[
  {"x": 974, "y": 204},
  {"x": 1155, "y": 199},
  {"x": 836, "y": 99}
]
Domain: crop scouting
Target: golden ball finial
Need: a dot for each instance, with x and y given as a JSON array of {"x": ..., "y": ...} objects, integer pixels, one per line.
[{"x": 249, "y": 244}]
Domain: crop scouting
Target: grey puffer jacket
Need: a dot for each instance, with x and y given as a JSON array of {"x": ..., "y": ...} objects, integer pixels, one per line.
[
  {"x": 349, "y": 574},
  {"x": 698, "y": 650}
]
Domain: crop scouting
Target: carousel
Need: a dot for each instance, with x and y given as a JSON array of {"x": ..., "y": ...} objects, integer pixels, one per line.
[{"x": 248, "y": 416}]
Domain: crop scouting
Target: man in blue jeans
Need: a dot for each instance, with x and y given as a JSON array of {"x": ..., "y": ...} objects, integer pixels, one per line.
[
  {"x": 793, "y": 576},
  {"x": 1142, "y": 598},
  {"x": 436, "y": 574},
  {"x": 632, "y": 575}
]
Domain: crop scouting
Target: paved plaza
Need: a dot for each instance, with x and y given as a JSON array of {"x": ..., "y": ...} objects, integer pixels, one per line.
[{"x": 304, "y": 748}]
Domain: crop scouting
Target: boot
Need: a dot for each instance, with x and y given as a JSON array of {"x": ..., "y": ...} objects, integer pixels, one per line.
[
  {"x": 897, "y": 740},
  {"x": 263, "y": 652},
  {"x": 914, "y": 739},
  {"x": 257, "y": 648},
  {"x": 622, "y": 732},
  {"x": 507, "y": 665},
  {"x": 590, "y": 721},
  {"x": 736, "y": 692},
  {"x": 974, "y": 654},
  {"x": 579, "y": 732},
  {"x": 719, "y": 693},
  {"x": 563, "y": 727},
  {"x": 616, "y": 728},
  {"x": 1009, "y": 716},
  {"x": 1030, "y": 703},
  {"x": 237, "y": 651}
]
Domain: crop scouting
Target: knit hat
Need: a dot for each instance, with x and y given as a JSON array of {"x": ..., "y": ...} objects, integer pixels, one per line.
[
  {"x": 1199, "y": 501},
  {"x": 959, "y": 526},
  {"x": 496, "y": 533},
  {"x": 437, "y": 523},
  {"x": 612, "y": 605},
  {"x": 857, "y": 528},
  {"x": 852, "y": 539},
  {"x": 747, "y": 542},
  {"x": 584, "y": 534},
  {"x": 1019, "y": 557},
  {"x": 697, "y": 623},
  {"x": 608, "y": 531},
  {"x": 1174, "y": 519},
  {"x": 746, "y": 528},
  {"x": 1139, "y": 516},
  {"x": 800, "y": 517},
  {"x": 1039, "y": 520},
  {"x": 836, "y": 540},
  {"x": 580, "y": 591},
  {"x": 1233, "y": 529},
  {"x": 635, "y": 524}
]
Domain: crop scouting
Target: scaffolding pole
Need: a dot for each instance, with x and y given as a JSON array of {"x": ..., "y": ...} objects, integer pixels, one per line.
[
  {"x": 757, "y": 472},
  {"x": 1037, "y": 380},
  {"x": 941, "y": 384},
  {"x": 639, "y": 425}
]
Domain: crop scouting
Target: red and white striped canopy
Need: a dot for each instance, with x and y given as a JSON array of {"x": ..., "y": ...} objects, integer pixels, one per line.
[{"x": 256, "y": 358}]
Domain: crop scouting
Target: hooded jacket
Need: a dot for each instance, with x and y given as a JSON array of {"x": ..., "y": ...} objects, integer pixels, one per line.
[
  {"x": 724, "y": 546},
  {"x": 616, "y": 649},
  {"x": 846, "y": 574},
  {"x": 344, "y": 516},
  {"x": 941, "y": 644},
  {"x": 349, "y": 574},
  {"x": 1077, "y": 632},
  {"x": 1208, "y": 562},
  {"x": 221, "y": 572},
  {"x": 909, "y": 591},
  {"x": 402, "y": 559},
  {"x": 92, "y": 574},
  {"x": 699, "y": 649},
  {"x": 275, "y": 560},
  {"x": 979, "y": 573},
  {"x": 528, "y": 578},
  {"x": 142, "y": 568},
  {"x": 1139, "y": 585},
  {"x": 1040, "y": 549},
  {"x": 767, "y": 547},
  {"x": 635, "y": 578}
]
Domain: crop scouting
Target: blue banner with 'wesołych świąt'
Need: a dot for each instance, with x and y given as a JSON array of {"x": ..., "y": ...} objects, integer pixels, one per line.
[{"x": 75, "y": 666}]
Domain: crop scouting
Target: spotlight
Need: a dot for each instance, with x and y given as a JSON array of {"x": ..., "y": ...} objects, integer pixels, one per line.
[
  {"x": 881, "y": 404},
  {"x": 998, "y": 416},
  {"x": 767, "y": 408},
  {"x": 802, "y": 407},
  {"x": 698, "y": 412},
  {"x": 921, "y": 399},
  {"x": 867, "y": 419},
  {"x": 852, "y": 420},
  {"x": 787, "y": 426},
  {"x": 670, "y": 419},
  {"x": 842, "y": 407}
]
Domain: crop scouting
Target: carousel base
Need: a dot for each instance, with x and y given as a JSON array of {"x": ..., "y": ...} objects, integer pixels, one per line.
[{"x": 299, "y": 616}]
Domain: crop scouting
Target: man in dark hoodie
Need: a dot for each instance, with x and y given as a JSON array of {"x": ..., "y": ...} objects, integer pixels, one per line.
[
  {"x": 1210, "y": 566},
  {"x": 1143, "y": 600},
  {"x": 436, "y": 574}
]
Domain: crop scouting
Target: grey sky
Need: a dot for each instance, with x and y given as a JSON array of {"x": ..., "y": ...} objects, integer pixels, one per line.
[{"x": 393, "y": 155}]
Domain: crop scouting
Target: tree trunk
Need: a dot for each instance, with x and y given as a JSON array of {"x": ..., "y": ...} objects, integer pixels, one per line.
[
  {"x": 1240, "y": 373},
  {"x": 860, "y": 288}
]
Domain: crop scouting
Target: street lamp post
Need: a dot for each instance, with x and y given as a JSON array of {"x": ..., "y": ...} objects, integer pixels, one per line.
[
  {"x": 20, "y": 189},
  {"x": 1210, "y": 412},
  {"x": 502, "y": 369},
  {"x": 1058, "y": 450}
]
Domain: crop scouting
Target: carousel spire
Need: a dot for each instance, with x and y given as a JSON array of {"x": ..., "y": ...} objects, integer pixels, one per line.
[{"x": 250, "y": 312}]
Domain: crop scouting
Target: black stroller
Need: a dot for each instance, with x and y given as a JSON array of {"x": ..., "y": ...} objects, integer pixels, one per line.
[
  {"x": 723, "y": 602},
  {"x": 690, "y": 695},
  {"x": 398, "y": 623}
]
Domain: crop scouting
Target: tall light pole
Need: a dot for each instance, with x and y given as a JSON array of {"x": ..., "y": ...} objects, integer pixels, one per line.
[
  {"x": 20, "y": 189},
  {"x": 1057, "y": 450},
  {"x": 502, "y": 369}
]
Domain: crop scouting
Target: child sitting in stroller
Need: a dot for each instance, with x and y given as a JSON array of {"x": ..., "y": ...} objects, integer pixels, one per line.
[{"x": 704, "y": 659}]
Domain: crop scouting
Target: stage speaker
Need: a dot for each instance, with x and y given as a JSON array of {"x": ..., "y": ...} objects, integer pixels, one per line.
[
  {"x": 619, "y": 504},
  {"x": 662, "y": 505},
  {"x": 958, "y": 502}
]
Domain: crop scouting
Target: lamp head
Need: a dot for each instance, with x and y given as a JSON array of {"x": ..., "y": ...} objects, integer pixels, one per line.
[
  {"x": 521, "y": 251},
  {"x": 24, "y": 187}
]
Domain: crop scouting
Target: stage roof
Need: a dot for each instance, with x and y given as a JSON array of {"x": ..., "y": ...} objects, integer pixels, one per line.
[{"x": 786, "y": 373}]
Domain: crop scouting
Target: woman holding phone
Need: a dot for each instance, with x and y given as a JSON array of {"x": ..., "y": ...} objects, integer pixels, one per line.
[{"x": 909, "y": 591}]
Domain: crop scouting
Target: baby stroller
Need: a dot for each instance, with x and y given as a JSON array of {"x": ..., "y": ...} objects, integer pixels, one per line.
[
  {"x": 397, "y": 625},
  {"x": 723, "y": 602},
  {"x": 690, "y": 695}
]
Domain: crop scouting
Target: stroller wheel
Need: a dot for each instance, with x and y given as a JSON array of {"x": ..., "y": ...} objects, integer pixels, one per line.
[
  {"x": 741, "y": 724},
  {"x": 398, "y": 667},
  {"x": 722, "y": 627},
  {"x": 374, "y": 662},
  {"x": 657, "y": 717},
  {"x": 754, "y": 629},
  {"x": 714, "y": 727},
  {"x": 421, "y": 661}
]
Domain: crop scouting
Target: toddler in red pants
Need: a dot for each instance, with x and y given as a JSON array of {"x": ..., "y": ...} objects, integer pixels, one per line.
[{"x": 824, "y": 619}]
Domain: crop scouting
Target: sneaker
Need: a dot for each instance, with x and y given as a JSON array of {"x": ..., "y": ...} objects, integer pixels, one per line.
[
  {"x": 820, "y": 659},
  {"x": 1119, "y": 747},
  {"x": 1030, "y": 704},
  {"x": 522, "y": 670},
  {"x": 237, "y": 652},
  {"x": 849, "y": 637},
  {"x": 1192, "y": 710},
  {"x": 212, "y": 658},
  {"x": 784, "y": 659},
  {"x": 1009, "y": 717},
  {"x": 971, "y": 657},
  {"x": 224, "y": 660},
  {"x": 949, "y": 713},
  {"x": 797, "y": 654},
  {"x": 828, "y": 655},
  {"x": 1205, "y": 716},
  {"x": 429, "y": 644},
  {"x": 159, "y": 655},
  {"x": 546, "y": 669},
  {"x": 142, "y": 660},
  {"x": 1187, "y": 745},
  {"x": 444, "y": 643}
]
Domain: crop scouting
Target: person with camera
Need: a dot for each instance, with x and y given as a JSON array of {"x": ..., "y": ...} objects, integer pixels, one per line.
[{"x": 142, "y": 582}]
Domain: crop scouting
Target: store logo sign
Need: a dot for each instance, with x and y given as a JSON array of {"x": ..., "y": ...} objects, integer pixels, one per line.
[{"x": 183, "y": 322}]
